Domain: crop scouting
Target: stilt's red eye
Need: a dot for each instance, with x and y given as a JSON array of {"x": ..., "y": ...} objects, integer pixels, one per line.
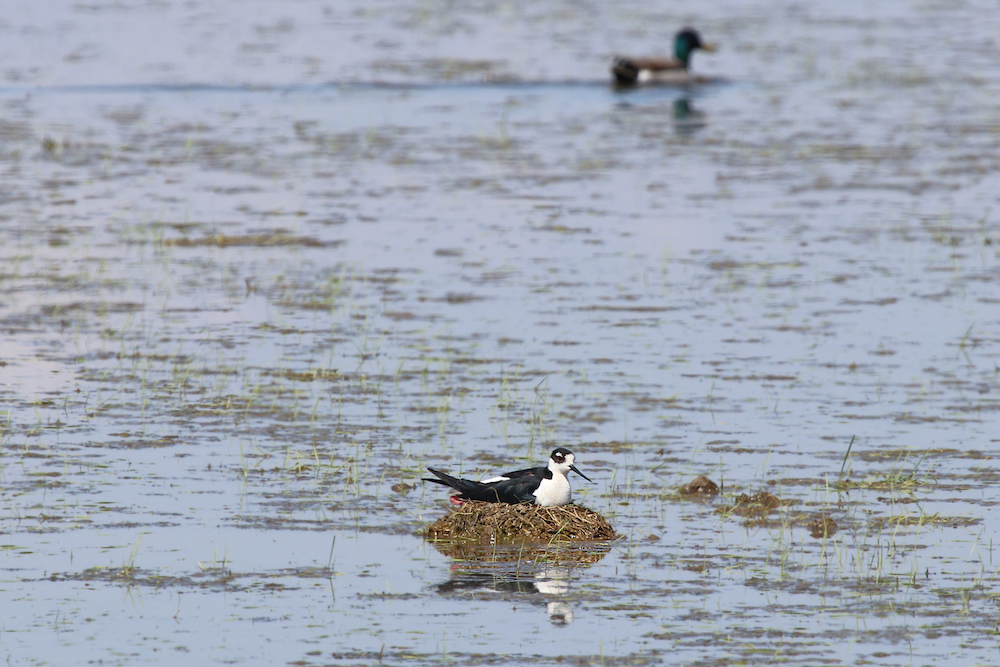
[{"x": 558, "y": 458}]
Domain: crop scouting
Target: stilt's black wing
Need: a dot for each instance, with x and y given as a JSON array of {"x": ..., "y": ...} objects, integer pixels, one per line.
[
  {"x": 519, "y": 487},
  {"x": 537, "y": 474}
]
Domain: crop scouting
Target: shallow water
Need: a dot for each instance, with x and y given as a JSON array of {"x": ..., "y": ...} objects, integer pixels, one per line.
[{"x": 262, "y": 264}]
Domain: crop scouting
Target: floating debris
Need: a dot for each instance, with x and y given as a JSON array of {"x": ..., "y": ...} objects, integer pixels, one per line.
[
  {"x": 700, "y": 486},
  {"x": 756, "y": 505},
  {"x": 822, "y": 526},
  {"x": 269, "y": 239},
  {"x": 495, "y": 523}
]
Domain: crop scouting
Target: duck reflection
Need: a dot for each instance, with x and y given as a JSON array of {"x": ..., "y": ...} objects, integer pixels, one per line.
[
  {"x": 687, "y": 119},
  {"x": 682, "y": 113}
]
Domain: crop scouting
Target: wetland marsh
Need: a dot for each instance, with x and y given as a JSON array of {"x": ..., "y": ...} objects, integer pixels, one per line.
[{"x": 263, "y": 263}]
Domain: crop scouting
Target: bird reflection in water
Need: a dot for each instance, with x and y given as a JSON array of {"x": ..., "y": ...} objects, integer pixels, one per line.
[
  {"x": 684, "y": 116},
  {"x": 548, "y": 585},
  {"x": 538, "y": 574},
  {"x": 687, "y": 119}
]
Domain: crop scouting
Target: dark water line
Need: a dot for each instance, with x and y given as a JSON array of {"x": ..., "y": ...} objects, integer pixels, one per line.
[{"x": 131, "y": 88}]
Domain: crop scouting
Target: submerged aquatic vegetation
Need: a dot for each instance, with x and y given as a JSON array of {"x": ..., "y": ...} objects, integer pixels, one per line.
[{"x": 902, "y": 478}]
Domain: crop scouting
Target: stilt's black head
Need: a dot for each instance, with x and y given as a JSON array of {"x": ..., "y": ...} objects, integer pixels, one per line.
[
  {"x": 559, "y": 454},
  {"x": 562, "y": 459}
]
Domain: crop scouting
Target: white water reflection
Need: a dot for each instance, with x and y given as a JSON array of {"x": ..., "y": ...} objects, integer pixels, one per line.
[{"x": 25, "y": 373}]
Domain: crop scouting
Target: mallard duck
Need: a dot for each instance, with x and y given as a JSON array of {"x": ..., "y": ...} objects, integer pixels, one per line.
[{"x": 630, "y": 71}]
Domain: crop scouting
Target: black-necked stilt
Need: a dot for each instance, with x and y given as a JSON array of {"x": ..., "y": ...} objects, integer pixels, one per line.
[{"x": 547, "y": 486}]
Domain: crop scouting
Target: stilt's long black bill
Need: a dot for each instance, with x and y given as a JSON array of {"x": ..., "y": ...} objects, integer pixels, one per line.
[{"x": 574, "y": 469}]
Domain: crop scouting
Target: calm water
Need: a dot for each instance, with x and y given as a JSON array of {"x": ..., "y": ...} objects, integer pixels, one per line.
[{"x": 262, "y": 263}]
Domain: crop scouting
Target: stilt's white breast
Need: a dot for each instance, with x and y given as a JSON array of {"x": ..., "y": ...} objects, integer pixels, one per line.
[{"x": 553, "y": 492}]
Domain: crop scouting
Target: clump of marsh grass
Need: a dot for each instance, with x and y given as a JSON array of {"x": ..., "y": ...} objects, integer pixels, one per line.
[{"x": 900, "y": 479}]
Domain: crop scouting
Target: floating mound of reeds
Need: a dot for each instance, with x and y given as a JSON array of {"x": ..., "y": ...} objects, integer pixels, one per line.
[{"x": 499, "y": 523}]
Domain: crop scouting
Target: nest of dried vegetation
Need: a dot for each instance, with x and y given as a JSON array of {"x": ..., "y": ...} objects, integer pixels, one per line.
[{"x": 499, "y": 523}]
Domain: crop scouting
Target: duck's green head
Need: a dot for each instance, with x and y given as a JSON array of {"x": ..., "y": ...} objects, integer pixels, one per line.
[{"x": 686, "y": 41}]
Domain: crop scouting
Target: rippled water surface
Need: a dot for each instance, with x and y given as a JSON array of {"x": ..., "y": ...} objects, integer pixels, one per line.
[{"x": 263, "y": 263}]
